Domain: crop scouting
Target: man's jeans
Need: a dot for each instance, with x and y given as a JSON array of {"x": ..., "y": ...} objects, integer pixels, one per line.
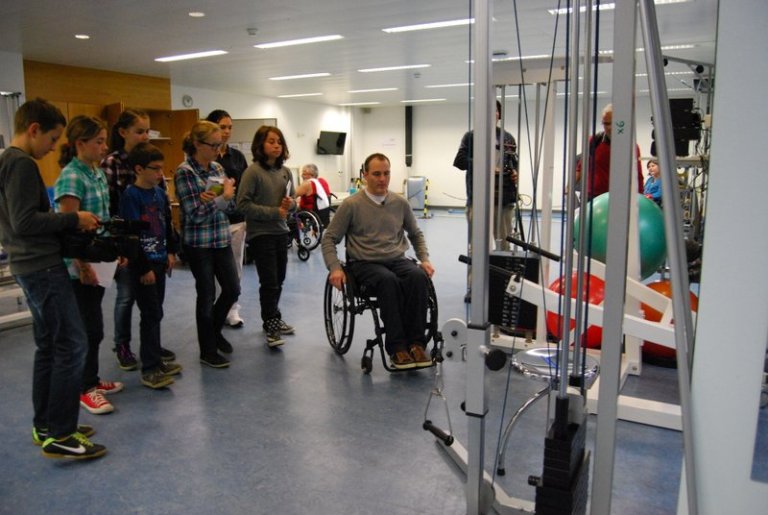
[{"x": 61, "y": 347}]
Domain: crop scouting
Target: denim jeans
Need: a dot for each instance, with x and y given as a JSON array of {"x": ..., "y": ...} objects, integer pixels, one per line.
[
  {"x": 89, "y": 302},
  {"x": 149, "y": 298},
  {"x": 400, "y": 287},
  {"x": 209, "y": 266},
  {"x": 61, "y": 348},
  {"x": 123, "y": 306},
  {"x": 270, "y": 253}
]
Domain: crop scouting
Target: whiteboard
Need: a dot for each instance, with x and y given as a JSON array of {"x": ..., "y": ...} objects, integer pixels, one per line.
[{"x": 243, "y": 131}]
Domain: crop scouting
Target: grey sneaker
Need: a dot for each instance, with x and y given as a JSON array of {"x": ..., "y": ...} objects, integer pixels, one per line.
[
  {"x": 170, "y": 368},
  {"x": 156, "y": 379},
  {"x": 125, "y": 358},
  {"x": 274, "y": 338},
  {"x": 285, "y": 328}
]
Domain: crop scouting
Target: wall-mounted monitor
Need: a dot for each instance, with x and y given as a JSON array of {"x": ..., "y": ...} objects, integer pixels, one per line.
[{"x": 331, "y": 143}]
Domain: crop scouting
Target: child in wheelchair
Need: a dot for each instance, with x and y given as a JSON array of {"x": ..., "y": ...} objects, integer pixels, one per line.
[{"x": 375, "y": 223}]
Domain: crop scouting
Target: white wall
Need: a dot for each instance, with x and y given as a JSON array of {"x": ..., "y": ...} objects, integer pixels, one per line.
[
  {"x": 12, "y": 76},
  {"x": 300, "y": 122}
]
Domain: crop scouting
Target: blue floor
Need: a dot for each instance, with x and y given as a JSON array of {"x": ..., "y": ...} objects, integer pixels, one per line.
[{"x": 299, "y": 430}]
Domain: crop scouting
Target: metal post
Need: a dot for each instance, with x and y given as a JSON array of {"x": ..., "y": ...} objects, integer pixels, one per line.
[
  {"x": 478, "y": 333},
  {"x": 672, "y": 228}
]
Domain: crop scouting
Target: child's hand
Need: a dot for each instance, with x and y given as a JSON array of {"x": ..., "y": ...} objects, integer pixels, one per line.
[
  {"x": 148, "y": 278},
  {"x": 207, "y": 196},
  {"x": 229, "y": 189}
]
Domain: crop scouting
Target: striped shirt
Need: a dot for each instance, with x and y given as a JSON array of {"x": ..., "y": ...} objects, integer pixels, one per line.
[{"x": 203, "y": 224}]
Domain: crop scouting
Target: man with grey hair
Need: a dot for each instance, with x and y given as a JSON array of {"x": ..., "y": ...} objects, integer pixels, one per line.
[
  {"x": 374, "y": 223},
  {"x": 314, "y": 194}
]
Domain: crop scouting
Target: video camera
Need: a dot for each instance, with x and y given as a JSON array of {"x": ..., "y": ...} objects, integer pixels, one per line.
[{"x": 114, "y": 238}]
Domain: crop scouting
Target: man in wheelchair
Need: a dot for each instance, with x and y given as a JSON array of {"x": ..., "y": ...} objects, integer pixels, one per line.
[{"x": 374, "y": 222}]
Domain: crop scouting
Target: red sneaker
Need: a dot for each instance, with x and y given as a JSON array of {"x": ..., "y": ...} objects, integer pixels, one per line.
[
  {"x": 95, "y": 402},
  {"x": 107, "y": 387}
]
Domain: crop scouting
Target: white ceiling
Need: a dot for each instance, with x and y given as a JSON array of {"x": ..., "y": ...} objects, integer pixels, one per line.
[{"x": 126, "y": 36}]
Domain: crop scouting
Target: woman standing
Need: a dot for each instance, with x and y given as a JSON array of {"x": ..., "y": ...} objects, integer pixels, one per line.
[
  {"x": 82, "y": 186},
  {"x": 206, "y": 196},
  {"x": 264, "y": 197}
]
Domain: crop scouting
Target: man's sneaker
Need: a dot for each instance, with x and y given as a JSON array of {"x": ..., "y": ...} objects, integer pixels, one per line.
[
  {"x": 107, "y": 387},
  {"x": 170, "y": 368},
  {"x": 167, "y": 355},
  {"x": 95, "y": 402},
  {"x": 285, "y": 328},
  {"x": 125, "y": 358},
  {"x": 156, "y": 379},
  {"x": 274, "y": 338},
  {"x": 75, "y": 447},
  {"x": 40, "y": 435},
  {"x": 402, "y": 360},
  {"x": 215, "y": 361},
  {"x": 223, "y": 345},
  {"x": 234, "y": 321},
  {"x": 420, "y": 357}
]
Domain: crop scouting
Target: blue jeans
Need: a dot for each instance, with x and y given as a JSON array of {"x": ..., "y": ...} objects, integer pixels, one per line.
[
  {"x": 149, "y": 298},
  {"x": 89, "y": 302},
  {"x": 270, "y": 253},
  {"x": 209, "y": 266},
  {"x": 61, "y": 348},
  {"x": 123, "y": 306}
]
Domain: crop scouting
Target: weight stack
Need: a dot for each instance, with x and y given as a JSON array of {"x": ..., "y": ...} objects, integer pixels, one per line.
[
  {"x": 516, "y": 316},
  {"x": 563, "y": 486}
]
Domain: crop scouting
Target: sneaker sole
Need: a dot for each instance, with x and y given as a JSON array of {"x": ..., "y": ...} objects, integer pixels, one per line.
[
  {"x": 57, "y": 456},
  {"x": 156, "y": 386},
  {"x": 236, "y": 325},
  {"x": 98, "y": 411},
  {"x": 214, "y": 365},
  {"x": 173, "y": 372},
  {"x": 276, "y": 343},
  {"x": 407, "y": 366},
  {"x": 128, "y": 368}
]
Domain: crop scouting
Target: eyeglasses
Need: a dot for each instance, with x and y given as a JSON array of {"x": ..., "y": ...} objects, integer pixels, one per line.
[
  {"x": 155, "y": 168},
  {"x": 214, "y": 146}
]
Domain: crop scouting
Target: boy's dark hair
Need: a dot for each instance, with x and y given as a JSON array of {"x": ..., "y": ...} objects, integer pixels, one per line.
[
  {"x": 38, "y": 111},
  {"x": 257, "y": 147},
  {"x": 143, "y": 154},
  {"x": 216, "y": 115}
]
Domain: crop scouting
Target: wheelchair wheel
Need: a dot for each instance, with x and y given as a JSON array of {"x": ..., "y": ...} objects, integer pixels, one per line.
[
  {"x": 303, "y": 253},
  {"x": 366, "y": 363},
  {"x": 431, "y": 328},
  {"x": 310, "y": 230},
  {"x": 339, "y": 310}
]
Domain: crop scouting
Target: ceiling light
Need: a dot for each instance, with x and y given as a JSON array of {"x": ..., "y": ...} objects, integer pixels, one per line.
[
  {"x": 82, "y": 36},
  {"x": 666, "y": 73},
  {"x": 297, "y": 95},
  {"x": 665, "y": 47},
  {"x": 303, "y": 76},
  {"x": 195, "y": 55},
  {"x": 391, "y": 68},
  {"x": 566, "y": 10},
  {"x": 352, "y": 104},
  {"x": 197, "y": 14},
  {"x": 433, "y": 25},
  {"x": 374, "y": 90},
  {"x": 422, "y": 100},
  {"x": 302, "y": 41},
  {"x": 456, "y": 85}
]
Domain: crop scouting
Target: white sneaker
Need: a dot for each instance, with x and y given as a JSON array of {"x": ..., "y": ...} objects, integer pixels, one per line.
[{"x": 234, "y": 320}]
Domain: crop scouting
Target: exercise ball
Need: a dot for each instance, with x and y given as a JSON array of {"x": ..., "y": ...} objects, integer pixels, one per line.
[
  {"x": 596, "y": 293},
  {"x": 653, "y": 247},
  {"x": 652, "y": 351}
]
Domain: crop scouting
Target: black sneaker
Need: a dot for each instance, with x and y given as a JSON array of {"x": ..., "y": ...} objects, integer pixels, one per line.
[
  {"x": 74, "y": 447},
  {"x": 170, "y": 368},
  {"x": 156, "y": 379},
  {"x": 285, "y": 328},
  {"x": 167, "y": 355},
  {"x": 274, "y": 338},
  {"x": 215, "y": 361},
  {"x": 223, "y": 345},
  {"x": 40, "y": 435},
  {"x": 125, "y": 358}
]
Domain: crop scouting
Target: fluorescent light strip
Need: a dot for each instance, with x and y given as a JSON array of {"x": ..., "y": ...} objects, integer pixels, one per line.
[
  {"x": 670, "y": 89},
  {"x": 353, "y": 104},
  {"x": 419, "y": 101},
  {"x": 537, "y": 56},
  {"x": 665, "y": 73},
  {"x": 304, "y": 76},
  {"x": 392, "y": 68},
  {"x": 665, "y": 47},
  {"x": 457, "y": 85},
  {"x": 82, "y": 36},
  {"x": 297, "y": 95},
  {"x": 562, "y": 94},
  {"x": 302, "y": 41},
  {"x": 432, "y": 25},
  {"x": 566, "y": 10},
  {"x": 196, "y": 55},
  {"x": 374, "y": 90}
]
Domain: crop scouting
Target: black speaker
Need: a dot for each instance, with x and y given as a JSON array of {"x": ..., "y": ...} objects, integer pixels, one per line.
[
  {"x": 408, "y": 135},
  {"x": 517, "y": 316}
]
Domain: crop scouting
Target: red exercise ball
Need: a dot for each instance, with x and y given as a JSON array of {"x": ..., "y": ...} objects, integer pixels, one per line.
[
  {"x": 595, "y": 288},
  {"x": 652, "y": 350}
]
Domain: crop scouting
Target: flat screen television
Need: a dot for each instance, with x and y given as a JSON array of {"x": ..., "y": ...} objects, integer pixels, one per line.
[{"x": 331, "y": 143}]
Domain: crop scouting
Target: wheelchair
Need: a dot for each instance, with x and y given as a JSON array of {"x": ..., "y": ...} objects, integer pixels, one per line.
[
  {"x": 306, "y": 230},
  {"x": 341, "y": 307}
]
